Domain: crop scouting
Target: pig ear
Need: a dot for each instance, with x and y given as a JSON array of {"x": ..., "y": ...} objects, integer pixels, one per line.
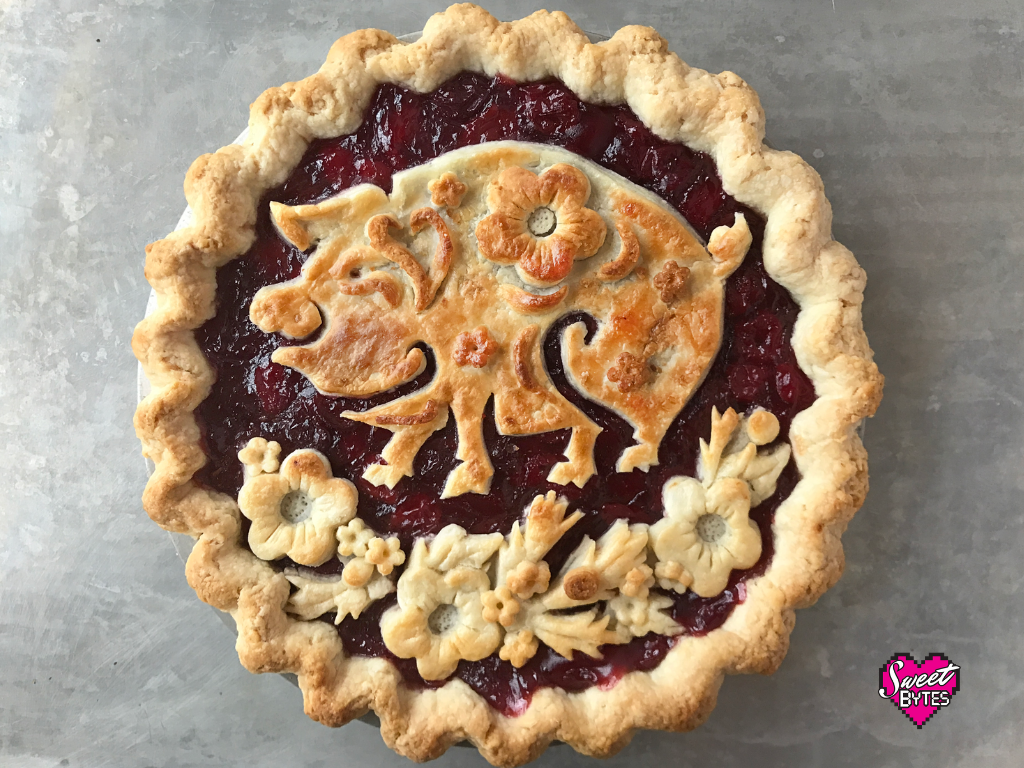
[
  {"x": 303, "y": 225},
  {"x": 291, "y": 223}
]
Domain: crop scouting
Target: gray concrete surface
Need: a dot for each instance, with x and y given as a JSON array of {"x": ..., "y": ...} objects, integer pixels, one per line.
[{"x": 911, "y": 111}]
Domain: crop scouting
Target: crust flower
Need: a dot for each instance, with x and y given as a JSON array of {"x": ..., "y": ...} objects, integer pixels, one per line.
[
  {"x": 539, "y": 223},
  {"x": 629, "y": 372},
  {"x": 635, "y": 617},
  {"x": 260, "y": 456},
  {"x": 519, "y": 647},
  {"x": 439, "y": 617},
  {"x": 671, "y": 282},
  {"x": 447, "y": 190},
  {"x": 500, "y": 606},
  {"x": 474, "y": 347},
  {"x": 354, "y": 538},
  {"x": 296, "y": 512},
  {"x": 528, "y": 578},
  {"x": 707, "y": 531},
  {"x": 440, "y": 620},
  {"x": 386, "y": 554}
]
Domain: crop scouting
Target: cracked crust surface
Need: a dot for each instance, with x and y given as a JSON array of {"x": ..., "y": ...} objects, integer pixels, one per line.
[{"x": 717, "y": 114}]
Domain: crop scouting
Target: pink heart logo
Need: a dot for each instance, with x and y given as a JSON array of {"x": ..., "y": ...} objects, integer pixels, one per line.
[{"x": 919, "y": 689}]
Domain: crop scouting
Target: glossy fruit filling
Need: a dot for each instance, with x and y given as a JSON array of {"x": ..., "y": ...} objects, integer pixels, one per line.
[{"x": 254, "y": 397}]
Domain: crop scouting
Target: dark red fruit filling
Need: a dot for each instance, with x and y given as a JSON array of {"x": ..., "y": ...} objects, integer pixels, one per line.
[{"x": 254, "y": 397}]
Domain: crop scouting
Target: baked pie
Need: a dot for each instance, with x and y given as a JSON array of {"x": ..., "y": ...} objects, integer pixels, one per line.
[{"x": 509, "y": 385}]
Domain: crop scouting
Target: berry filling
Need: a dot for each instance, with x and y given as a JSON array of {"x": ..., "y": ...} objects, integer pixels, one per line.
[{"x": 254, "y": 397}]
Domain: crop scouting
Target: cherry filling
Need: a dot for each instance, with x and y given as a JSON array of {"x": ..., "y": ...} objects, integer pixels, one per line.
[{"x": 253, "y": 397}]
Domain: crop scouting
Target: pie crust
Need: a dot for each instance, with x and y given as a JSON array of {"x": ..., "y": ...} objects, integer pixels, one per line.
[{"x": 614, "y": 230}]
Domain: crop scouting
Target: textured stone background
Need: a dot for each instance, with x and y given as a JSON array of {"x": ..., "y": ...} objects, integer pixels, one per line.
[{"x": 911, "y": 111}]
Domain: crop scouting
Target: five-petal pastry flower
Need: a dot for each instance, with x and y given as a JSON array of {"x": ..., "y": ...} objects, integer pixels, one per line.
[
  {"x": 386, "y": 554},
  {"x": 260, "y": 456},
  {"x": 707, "y": 531},
  {"x": 296, "y": 511},
  {"x": 500, "y": 606},
  {"x": 474, "y": 347},
  {"x": 539, "y": 223},
  {"x": 519, "y": 647},
  {"x": 439, "y": 617},
  {"x": 354, "y": 538}
]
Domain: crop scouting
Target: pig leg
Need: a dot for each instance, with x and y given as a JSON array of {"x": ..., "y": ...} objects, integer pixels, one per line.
[
  {"x": 411, "y": 420},
  {"x": 580, "y": 453},
  {"x": 474, "y": 474}
]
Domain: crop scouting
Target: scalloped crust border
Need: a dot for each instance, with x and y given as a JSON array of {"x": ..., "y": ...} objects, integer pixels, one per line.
[{"x": 718, "y": 114}]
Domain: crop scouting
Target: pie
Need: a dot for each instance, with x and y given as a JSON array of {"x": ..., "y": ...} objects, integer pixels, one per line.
[{"x": 509, "y": 386}]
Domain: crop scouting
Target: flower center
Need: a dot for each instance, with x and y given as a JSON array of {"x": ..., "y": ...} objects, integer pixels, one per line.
[
  {"x": 296, "y": 506},
  {"x": 711, "y": 527},
  {"x": 542, "y": 222},
  {"x": 443, "y": 618}
]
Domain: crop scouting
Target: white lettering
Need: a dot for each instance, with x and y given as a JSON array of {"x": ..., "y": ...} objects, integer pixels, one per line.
[
  {"x": 896, "y": 665},
  {"x": 947, "y": 673}
]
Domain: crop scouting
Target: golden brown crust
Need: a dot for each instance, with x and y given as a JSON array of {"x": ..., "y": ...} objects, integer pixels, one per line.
[
  {"x": 715, "y": 114},
  {"x": 526, "y": 303},
  {"x": 628, "y": 256},
  {"x": 522, "y": 352}
]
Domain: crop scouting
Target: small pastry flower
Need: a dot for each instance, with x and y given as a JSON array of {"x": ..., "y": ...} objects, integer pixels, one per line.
[
  {"x": 707, "y": 532},
  {"x": 474, "y": 348},
  {"x": 386, "y": 554},
  {"x": 539, "y": 223},
  {"x": 629, "y": 372},
  {"x": 635, "y": 617},
  {"x": 500, "y": 606},
  {"x": 447, "y": 190},
  {"x": 519, "y": 647},
  {"x": 671, "y": 282},
  {"x": 354, "y": 538},
  {"x": 296, "y": 512},
  {"x": 528, "y": 578},
  {"x": 260, "y": 456}
]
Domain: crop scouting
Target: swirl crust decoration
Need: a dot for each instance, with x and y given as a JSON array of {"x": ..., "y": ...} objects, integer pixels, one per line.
[{"x": 476, "y": 312}]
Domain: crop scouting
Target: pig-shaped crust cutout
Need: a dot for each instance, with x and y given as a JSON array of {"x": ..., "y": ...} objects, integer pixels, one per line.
[{"x": 393, "y": 272}]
